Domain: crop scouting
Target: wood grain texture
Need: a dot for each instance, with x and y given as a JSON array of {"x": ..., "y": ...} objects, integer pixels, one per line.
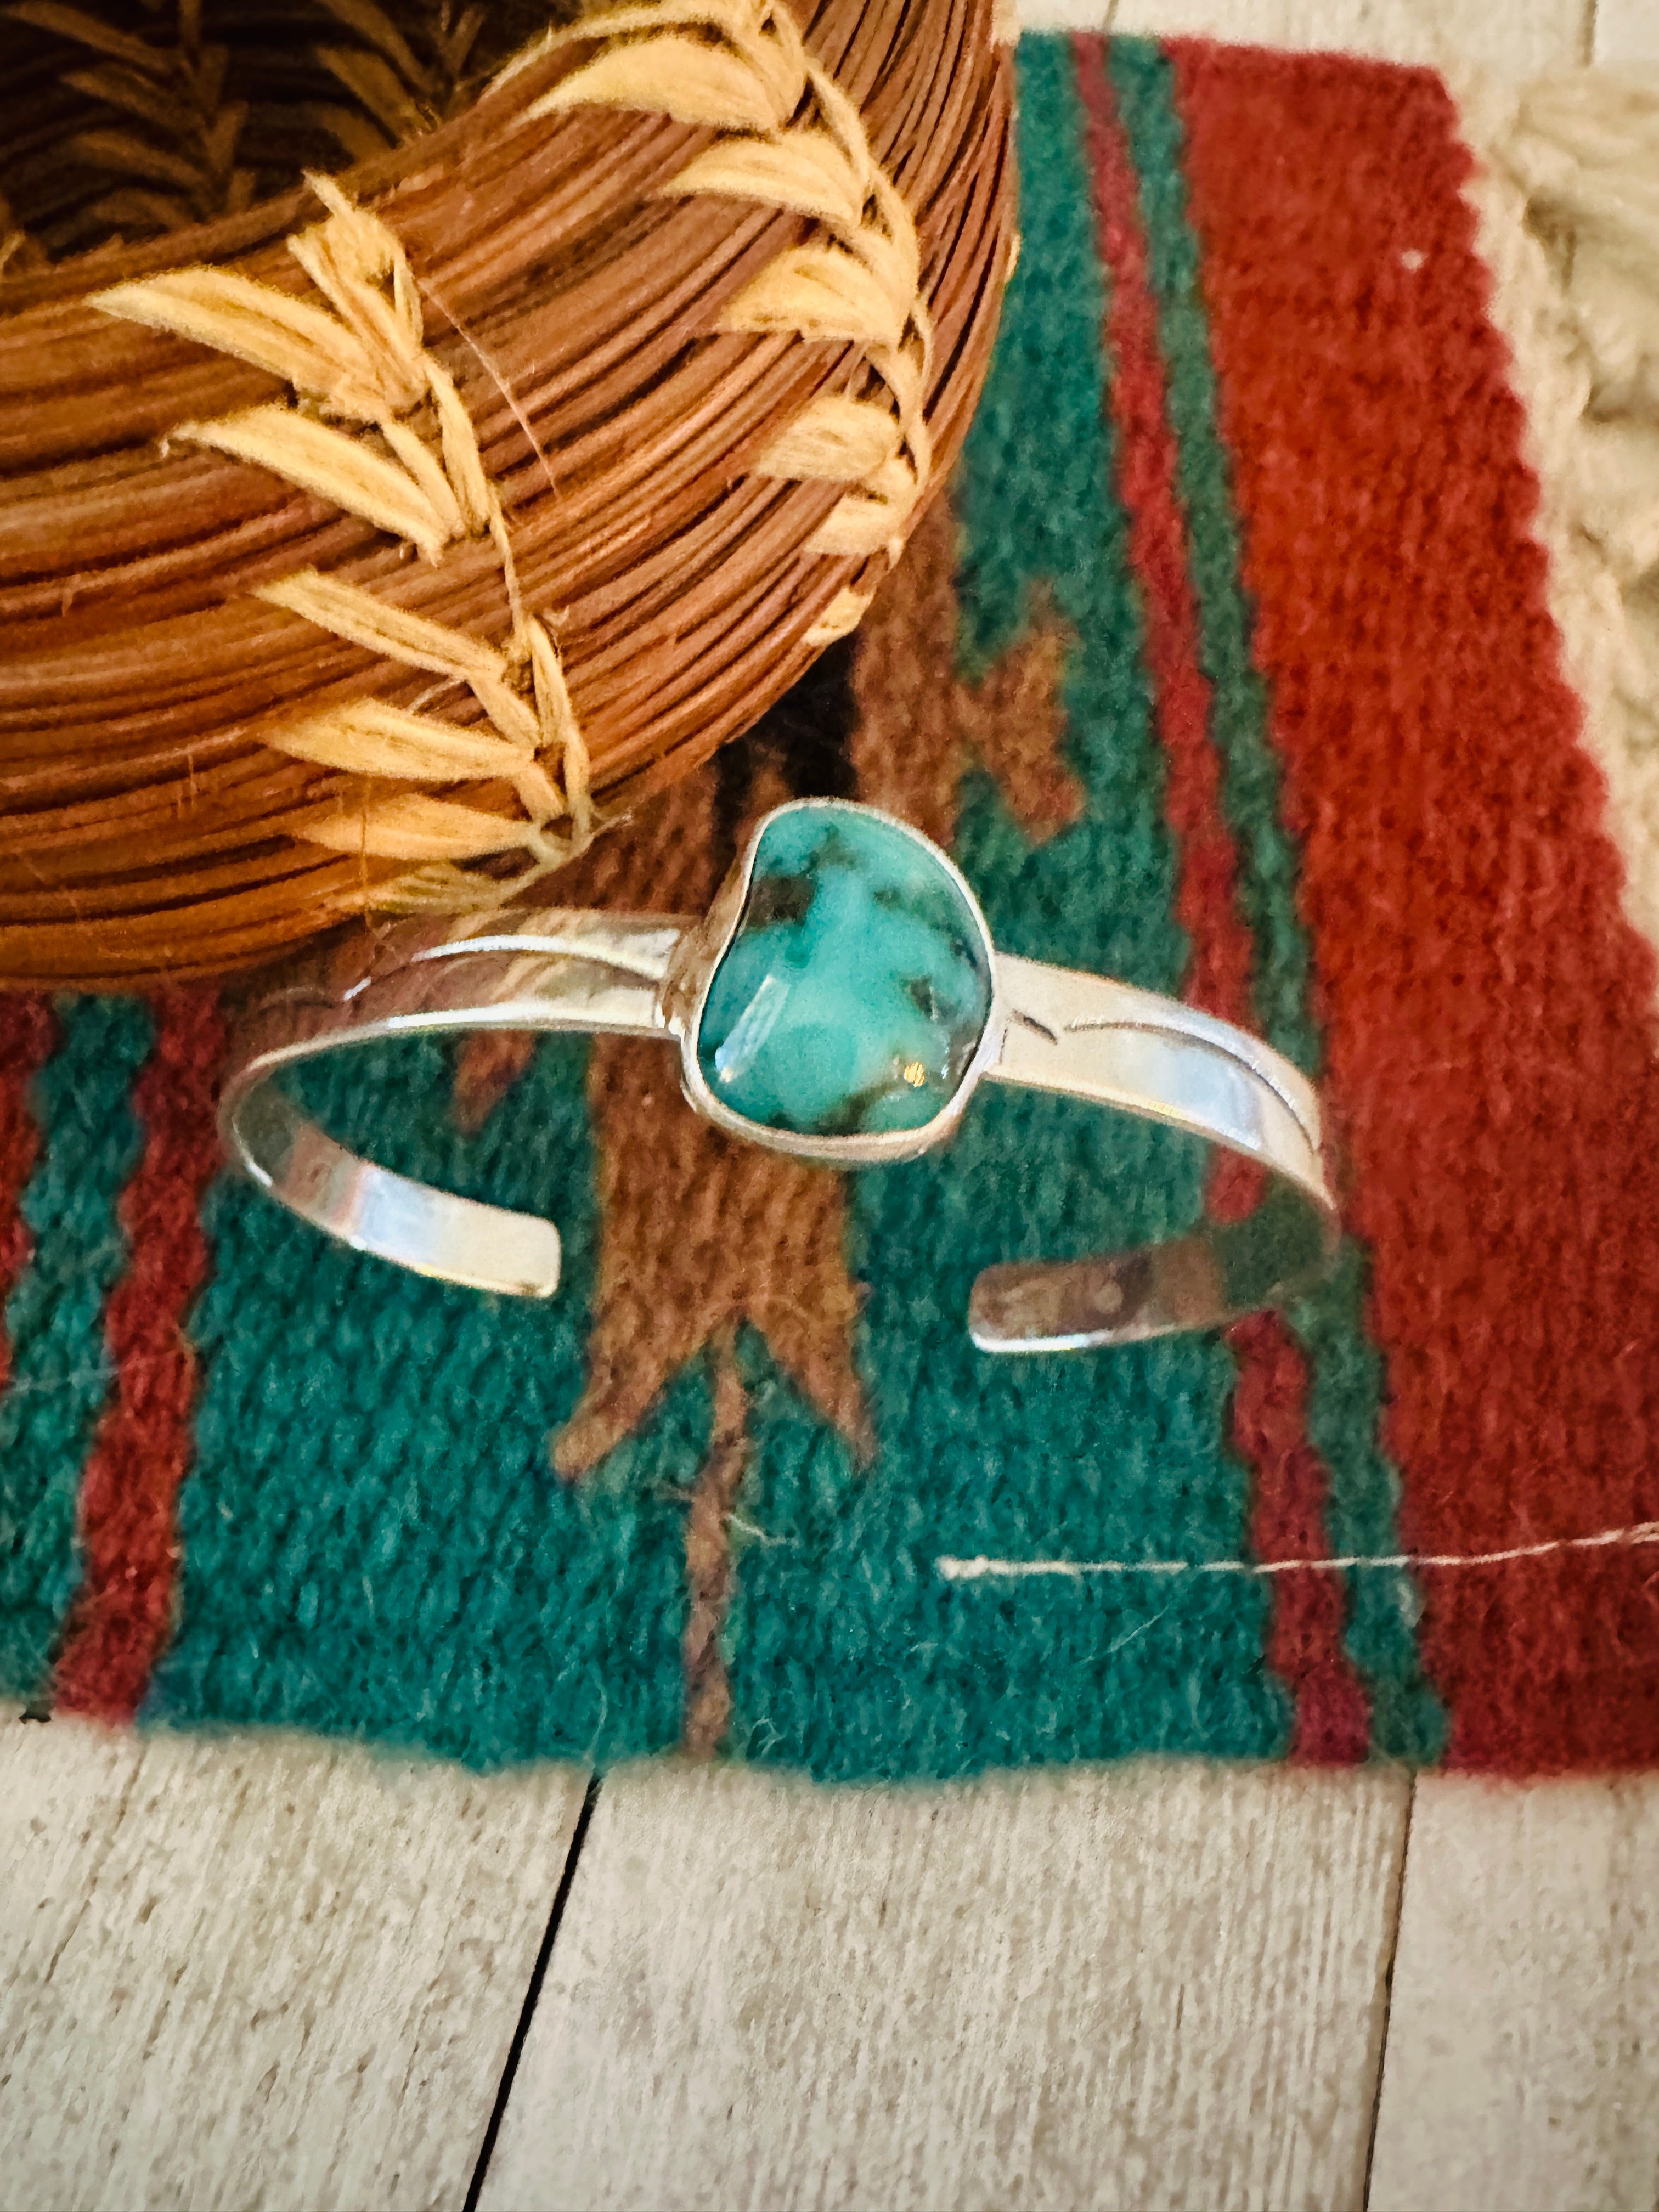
[
  {"x": 1626, "y": 31},
  {"x": 1150, "y": 1985},
  {"x": 1522, "y": 2065},
  {"x": 1513, "y": 36},
  {"x": 259, "y": 1972}
]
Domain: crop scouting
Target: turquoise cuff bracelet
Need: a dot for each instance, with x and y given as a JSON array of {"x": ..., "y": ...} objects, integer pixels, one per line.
[{"x": 841, "y": 1001}]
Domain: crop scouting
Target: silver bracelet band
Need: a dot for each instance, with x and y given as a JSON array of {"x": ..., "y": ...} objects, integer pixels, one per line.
[{"x": 650, "y": 975}]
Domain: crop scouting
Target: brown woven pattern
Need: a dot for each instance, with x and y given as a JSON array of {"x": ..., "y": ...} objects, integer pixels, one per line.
[
  {"x": 152, "y": 821},
  {"x": 703, "y": 1236}
]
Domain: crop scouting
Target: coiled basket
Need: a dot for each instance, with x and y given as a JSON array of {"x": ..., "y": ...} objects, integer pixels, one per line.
[{"x": 425, "y": 433}]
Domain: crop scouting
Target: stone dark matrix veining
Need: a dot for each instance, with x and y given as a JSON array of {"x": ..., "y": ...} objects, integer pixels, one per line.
[{"x": 856, "y": 989}]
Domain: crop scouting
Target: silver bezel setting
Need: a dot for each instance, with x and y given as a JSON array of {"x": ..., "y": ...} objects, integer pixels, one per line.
[{"x": 685, "y": 994}]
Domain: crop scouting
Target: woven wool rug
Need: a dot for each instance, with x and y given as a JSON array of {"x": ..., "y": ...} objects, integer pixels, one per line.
[{"x": 1282, "y": 647}]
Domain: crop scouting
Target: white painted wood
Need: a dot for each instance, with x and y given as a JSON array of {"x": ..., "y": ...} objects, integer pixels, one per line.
[
  {"x": 257, "y": 1972},
  {"x": 1147, "y": 1986},
  {"x": 1521, "y": 2073},
  {"x": 1626, "y": 31},
  {"x": 1515, "y": 38}
]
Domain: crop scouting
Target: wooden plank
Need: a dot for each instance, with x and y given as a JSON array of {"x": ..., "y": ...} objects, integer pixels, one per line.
[
  {"x": 259, "y": 1971},
  {"x": 1515, "y": 38},
  {"x": 1521, "y": 2073},
  {"x": 1150, "y": 1985},
  {"x": 1626, "y": 31}
]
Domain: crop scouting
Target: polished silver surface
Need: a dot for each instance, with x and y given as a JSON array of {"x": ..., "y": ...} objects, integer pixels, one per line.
[
  {"x": 1050, "y": 1029},
  {"x": 567, "y": 970},
  {"x": 1089, "y": 1037}
]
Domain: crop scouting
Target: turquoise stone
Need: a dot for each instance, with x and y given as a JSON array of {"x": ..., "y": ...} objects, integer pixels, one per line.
[{"x": 857, "y": 985}]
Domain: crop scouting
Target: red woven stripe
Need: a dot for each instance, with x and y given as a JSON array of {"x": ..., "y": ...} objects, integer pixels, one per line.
[
  {"x": 1290, "y": 1483},
  {"x": 128, "y": 1530},
  {"x": 28, "y": 1031},
  {"x": 1487, "y": 1009}
]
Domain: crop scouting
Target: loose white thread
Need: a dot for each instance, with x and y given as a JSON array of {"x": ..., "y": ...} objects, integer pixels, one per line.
[{"x": 984, "y": 1569}]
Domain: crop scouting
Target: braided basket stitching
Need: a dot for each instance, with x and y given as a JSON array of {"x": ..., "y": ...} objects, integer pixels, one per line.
[
  {"x": 364, "y": 363},
  {"x": 797, "y": 142},
  {"x": 212, "y": 654},
  {"x": 791, "y": 140}
]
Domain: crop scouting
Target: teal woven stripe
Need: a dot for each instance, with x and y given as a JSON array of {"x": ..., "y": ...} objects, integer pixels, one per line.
[
  {"x": 849, "y": 1654},
  {"x": 1346, "y": 1405},
  {"x": 61, "y": 1376},
  {"x": 375, "y": 1542},
  {"x": 1345, "y": 1410},
  {"x": 1250, "y": 775}
]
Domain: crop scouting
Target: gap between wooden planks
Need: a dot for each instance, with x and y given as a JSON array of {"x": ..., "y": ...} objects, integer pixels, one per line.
[
  {"x": 1147, "y": 1986},
  {"x": 257, "y": 1971},
  {"x": 1521, "y": 2073},
  {"x": 271, "y": 1972},
  {"x": 274, "y": 1973}
]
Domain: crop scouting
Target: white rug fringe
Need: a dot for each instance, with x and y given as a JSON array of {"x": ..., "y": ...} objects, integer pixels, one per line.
[{"x": 1566, "y": 190}]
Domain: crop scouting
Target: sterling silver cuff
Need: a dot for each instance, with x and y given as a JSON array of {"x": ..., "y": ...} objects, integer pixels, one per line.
[{"x": 841, "y": 1001}]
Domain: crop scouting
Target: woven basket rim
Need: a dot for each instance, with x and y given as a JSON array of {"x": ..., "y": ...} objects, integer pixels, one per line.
[
  {"x": 324, "y": 642},
  {"x": 512, "y": 87}
]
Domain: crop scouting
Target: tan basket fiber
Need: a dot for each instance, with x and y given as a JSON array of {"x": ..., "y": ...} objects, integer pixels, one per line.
[{"x": 552, "y": 445}]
